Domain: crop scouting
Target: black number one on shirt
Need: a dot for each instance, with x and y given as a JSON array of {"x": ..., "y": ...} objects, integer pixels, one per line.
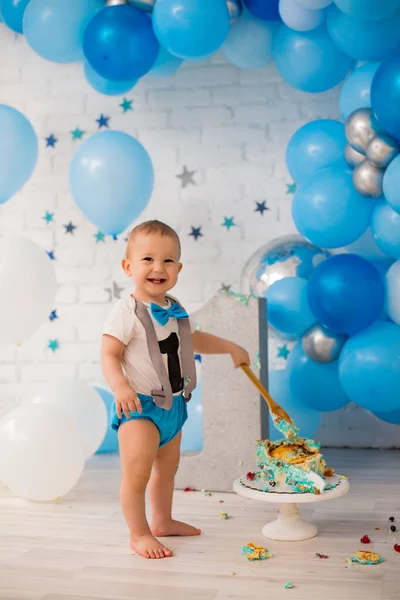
[{"x": 170, "y": 347}]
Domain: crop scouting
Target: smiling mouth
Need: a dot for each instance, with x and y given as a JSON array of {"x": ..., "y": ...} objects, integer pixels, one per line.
[{"x": 157, "y": 281}]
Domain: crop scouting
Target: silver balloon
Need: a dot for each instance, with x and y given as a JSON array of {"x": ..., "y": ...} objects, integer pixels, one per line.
[
  {"x": 116, "y": 2},
  {"x": 321, "y": 345},
  {"x": 352, "y": 157},
  {"x": 235, "y": 9},
  {"x": 381, "y": 150},
  {"x": 361, "y": 127},
  {"x": 368, "y": 179},
  {"x": 145, "y": 5}
]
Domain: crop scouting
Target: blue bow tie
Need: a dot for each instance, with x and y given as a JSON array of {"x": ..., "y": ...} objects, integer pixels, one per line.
[{"x": 162, "y": 315}]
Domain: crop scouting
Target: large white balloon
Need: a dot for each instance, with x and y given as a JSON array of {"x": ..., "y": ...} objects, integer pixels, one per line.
[
  {"x": 83, "y": 404},
  {"x": 27, "y": 289},
  {"x": 393, "y": 292},
  {"x": 41, "y": 452}
]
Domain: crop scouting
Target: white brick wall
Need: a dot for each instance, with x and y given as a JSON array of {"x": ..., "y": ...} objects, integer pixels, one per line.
[{"x": 230, "y": 126}]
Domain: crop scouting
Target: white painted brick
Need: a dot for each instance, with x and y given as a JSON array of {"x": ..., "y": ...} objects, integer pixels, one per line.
[
  {"x": 66, "y": 294},
  {"x": 178, "y": 98},
  {"x": 206, "y": 76},
  {"x": 94, "y": 294},
  {"x": 79, "y": 353},
  {"x": 233, "y": 136},
  {"x": 236, "y": 95},
  {"x": 90, "y": 372},
  {"x": 47, "y": 371},
  {"x": 7, "y": 373},
  {"x": 196, "y": 117}
]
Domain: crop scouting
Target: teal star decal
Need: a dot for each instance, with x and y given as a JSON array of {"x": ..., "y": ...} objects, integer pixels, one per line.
[
  {"x": 48, "y": 217},
  {"x": 53, "y": 345},
  {"x": 291, "y": 188},
  {"x": 283, "y": 352},
  {"x": 53, "y": 315},
  {"x": 100, "y": 237},
  {"x": 77, "y": 133},
  {"x": 228, "y": 223},
  {"x": 126, "y": 105}
]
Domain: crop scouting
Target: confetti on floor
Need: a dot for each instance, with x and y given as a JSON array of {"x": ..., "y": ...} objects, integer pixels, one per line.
[
  {"x": 288, "y": 585},
  {"x": 253, "y": 552},
  {"x": 319, "y": 555},
  {"x": 365, "y": 540},
  {"x": 189, "y": 489},
  {"x": 224, "y": 515}
]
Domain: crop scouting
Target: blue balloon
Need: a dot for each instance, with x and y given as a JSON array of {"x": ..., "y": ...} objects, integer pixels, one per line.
[
  {"x": 55, "y": 29},
  {"x": 328, "y": 211},
  {"x": 18, "y": 151},
  {"x": 267, "y": 10},
  {"x": 309, "y": 61},
  {"x": 110, "y": 441},
  {"x": 391, "y": 182},
  {"x": 111, "y": 180},
  {"x": 346, "y": 293},
  {"x": 192, "y": 432},
  {"x": 299, "y": 18},
  {"x": 390, "y": 417},
  {"x": 367, "y": 247},
  {"x": 356, "y": 90},
  {"x": 288, "y": 308},
  {"x": 385, "y": 227},
  {"x": 306, "y": 419},
  {"x": 249, "y": 42},
  {"x": 369, "y": 367},
  {"x": 316, "y": 145},
  {"x": 385, "y": 95},
  {"x": 104, "y": 86},
  {"x": 368, "y": 10},
  {"x": 12, "y": 12},
  {"x": 314, "y": 384},
  {"x": 363, "y": 40},
  {"x": 120, "y": 44},
  {"x": 191, "y": 28},
  {"x": 166, "y": 64}
]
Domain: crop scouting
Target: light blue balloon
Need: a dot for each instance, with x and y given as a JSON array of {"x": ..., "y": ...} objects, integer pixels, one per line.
[
  {"x": 306, "y": 419},
  {"x": 18, "y": 151},
  {"x": 369, "y": 367},
  {"x": 389, "y": 417},
  {"x": 111, "y": 180},
  {"x": 55, "y": 29},
  {"x": 314, "y": 4},
  {"x": 316, "y": 145},
  {"x": 249, "y": 42},
  {"x": 368, "y": 10},
  {"x": 309, "y": 61},
  {"x": 363, "y": 40},
  {"x": 328, "y": 211},
  {"x": 392, "y": 285},
  {"x": 191, "y": 28},
  {"x": 356, "y": 90},
  {"x": 12, "y": 12},
  {"x": 192, "y": 432},
  {"x": 166, "y": 64},
  {"x": 110, "y": 441},
  {"x": 391, "y": 184},
  {"x": 288, "y": 308},
  {"x": 104, "y": 86},
  {"x": 385, "y": 227},
  {"x": 299, "y": 18},
  {"x": 367, "y": 247},
  {"x": 316, "y": 385}
]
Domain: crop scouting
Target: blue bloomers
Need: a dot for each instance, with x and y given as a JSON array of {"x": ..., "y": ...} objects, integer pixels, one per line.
[{"x": 168, "y": 422}]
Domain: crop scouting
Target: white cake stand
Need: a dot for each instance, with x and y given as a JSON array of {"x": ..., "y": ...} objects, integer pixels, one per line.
[{"x": 289, "y": 526}]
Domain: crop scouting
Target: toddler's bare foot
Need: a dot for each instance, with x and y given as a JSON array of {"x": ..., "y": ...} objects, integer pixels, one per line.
[
  {"x": 172, "y": 527},
  {"x": 149, "y": 547}
]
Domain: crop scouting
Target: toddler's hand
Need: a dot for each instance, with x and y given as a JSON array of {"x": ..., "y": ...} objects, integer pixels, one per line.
[
  {"x": 126, "y": 401},
  {"x": 239, "y": 356}
]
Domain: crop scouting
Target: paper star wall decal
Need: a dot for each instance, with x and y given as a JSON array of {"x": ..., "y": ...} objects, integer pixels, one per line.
[
  {"x": 283, "y": 352},
  {"x": 77, "y": 133},
  {"x": 228, "y": 223},
  {"x": 51, "y": 141},
  {"x": 53, "y": 345},
  {"x": 114, "y": 291},
  {"x": 197, "y": 357},
  {"x": 225, "y": 288},
  {"x": 51, "y": 255},
  {"x": 69, "y": 228},
  {"x": 48, "y": 217},
  {"x": 53, "y": 315},
  {"x": 102, "y": 121},
  {"x": 291, "y": 188},
  {"x": 100, "y": 237},
  {"x": 186, "y": 177},
  {"x": 126, "y": 105},
  {"x": 261, "y": 207},
  {"x": 196, "y": 232}
]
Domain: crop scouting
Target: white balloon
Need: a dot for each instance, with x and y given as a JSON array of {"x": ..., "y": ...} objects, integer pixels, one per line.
[
  {"x": 299, "y": 18},
  {"x": 83, "y": 404},
  {"x": 393, "y": 292},
  {"x": 27, "y": 289},
  {"x": 41, "y": 452}
]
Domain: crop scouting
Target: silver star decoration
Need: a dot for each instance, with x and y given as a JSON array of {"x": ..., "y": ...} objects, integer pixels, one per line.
[
  {"x": 114, "y": 291},
  {"x": 186, "y": 177},
  {"x": 225, "y": 287}
]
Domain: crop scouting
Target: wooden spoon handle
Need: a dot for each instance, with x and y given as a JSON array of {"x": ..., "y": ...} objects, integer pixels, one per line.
[{"x": 257, "y": 383}]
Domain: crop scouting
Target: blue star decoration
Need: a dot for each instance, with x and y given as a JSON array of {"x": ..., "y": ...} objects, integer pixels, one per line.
[
  {"x": 69, "y": 227},
  {"x": 53, "y": 345},
  {"x": 283, "y": 352},
  {"x": 48, "y": 217},
  {"x": 77, "y": 133},
  {"x": 197, "y": 357},
  {"x": 53, "y": 315},
  {"x": 196, "y": 233},
  {"x": 99, "y": 236},
  {"x": 51, "y": 141},
  {"x": 228, "y": 223},
  {"x": 261, "y": 207},
  {"x": 50, "y": 254},
  {"x": 102, "y": 121},
  {"x": 126, "y": 105},
  {"x": 291, "y": 188}
]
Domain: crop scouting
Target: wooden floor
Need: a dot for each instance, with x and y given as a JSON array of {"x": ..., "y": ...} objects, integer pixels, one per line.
[{"x": 77, "y": 549}]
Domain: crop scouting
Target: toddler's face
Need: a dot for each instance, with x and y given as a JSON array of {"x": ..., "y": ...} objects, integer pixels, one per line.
[{"x": 153, "y": 263}]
